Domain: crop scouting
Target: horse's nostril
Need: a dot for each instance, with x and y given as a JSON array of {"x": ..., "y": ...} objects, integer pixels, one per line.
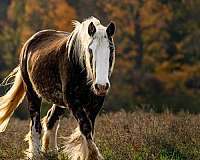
[
  {"x": 96, "y": 87},
  {"x": 107, "y": 86}
]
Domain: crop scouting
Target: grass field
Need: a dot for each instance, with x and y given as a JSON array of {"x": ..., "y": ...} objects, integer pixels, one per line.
[{"x": 124, "y": 136}]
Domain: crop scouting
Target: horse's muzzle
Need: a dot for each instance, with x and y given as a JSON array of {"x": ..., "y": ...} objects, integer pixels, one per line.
[{"x": 101, "y": 90}]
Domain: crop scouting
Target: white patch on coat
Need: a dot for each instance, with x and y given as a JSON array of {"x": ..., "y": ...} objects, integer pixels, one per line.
[
  {"x": 48, "y": 133},
  {"x": 33, "y": 139},
  {"x": 56, "y": 135},
  {"x": 46, "y": 138}
]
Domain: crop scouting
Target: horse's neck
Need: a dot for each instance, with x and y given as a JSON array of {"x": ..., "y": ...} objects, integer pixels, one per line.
[{"x": 76, "y": 59}]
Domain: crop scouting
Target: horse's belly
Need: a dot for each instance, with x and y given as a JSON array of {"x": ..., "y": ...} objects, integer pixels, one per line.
[
  {"x": 48, "y": 90},
  {"x": 50, "y": 94}
]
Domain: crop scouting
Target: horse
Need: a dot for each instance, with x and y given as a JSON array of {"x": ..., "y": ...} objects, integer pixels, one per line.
[{"x": 71, "y": 71}]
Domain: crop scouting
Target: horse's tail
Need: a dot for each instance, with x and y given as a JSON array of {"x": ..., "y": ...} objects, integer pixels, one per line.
[
  {"x": 11, "y": 100},
  {"x": 78, "y": 147}
]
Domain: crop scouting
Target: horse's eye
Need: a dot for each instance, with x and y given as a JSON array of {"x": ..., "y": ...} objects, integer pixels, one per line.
[{"x": 90, "y": 50}]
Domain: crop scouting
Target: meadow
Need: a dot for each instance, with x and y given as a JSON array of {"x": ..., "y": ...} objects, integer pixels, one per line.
[{"x": 123, "y": 136}]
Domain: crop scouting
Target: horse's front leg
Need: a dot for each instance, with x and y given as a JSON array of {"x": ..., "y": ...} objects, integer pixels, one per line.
[
  {"x": 84, "y": 122},
  {"x": 94, "y": 108},
  {"x": 80, "y": 144},
  {"x": 79, "y": 113}
]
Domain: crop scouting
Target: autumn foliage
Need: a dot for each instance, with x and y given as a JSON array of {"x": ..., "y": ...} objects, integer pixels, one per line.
[{"x": 157, "y": 45}]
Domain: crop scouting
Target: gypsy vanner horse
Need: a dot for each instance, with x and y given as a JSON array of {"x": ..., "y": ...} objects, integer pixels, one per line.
[{"x": 70, "y": 70}]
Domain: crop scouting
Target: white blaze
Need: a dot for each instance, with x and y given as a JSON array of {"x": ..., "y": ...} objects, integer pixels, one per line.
[{"x": 102, "y": 55}]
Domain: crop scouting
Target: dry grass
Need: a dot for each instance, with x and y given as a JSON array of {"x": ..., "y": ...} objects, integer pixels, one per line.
[{"x": 124, "y": 136}]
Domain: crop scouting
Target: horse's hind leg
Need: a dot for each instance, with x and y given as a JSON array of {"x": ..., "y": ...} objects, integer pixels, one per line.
[
  {"x": 33, "y": 137},
  {"x": 49, "y": 121}
]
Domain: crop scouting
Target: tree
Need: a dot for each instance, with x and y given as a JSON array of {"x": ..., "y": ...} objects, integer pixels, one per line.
[
  {"x": 141, "y": 38},
  {"x": 21, "y": 19}
]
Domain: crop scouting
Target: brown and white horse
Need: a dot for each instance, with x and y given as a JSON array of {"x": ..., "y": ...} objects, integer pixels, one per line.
[{"x": 70, "y": 70}]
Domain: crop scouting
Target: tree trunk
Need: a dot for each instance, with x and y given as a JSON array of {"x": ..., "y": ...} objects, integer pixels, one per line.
[{"x": 138, "y": 41}]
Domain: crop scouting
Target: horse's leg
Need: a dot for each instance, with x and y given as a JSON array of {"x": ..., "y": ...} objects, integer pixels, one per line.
[
  {"x": 70, "y": 100},
  {"x": 92, "y": 114},
  {"x": 33, "y": 138},
  {"x": 49, "y": 121},
  {"x": 93, "y": 109},
  {"x": 83, "y": 120},
  {"x": 80, "y": 143}
]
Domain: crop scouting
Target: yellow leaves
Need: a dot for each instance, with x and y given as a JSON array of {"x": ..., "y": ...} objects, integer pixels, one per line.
[
  {"x": 176, "y": 75},
  {"x": 52, "y": 13},
  {"x": 33, "y": 15},
  {"x": 62, "y": 14},
  {"x": 153, "y": 13},
  {"x": 10, "y": 12},
  {"x": 33, "y": 6},
  {"x": 26, "y": 32},
  {"x": 15, "y": 10}
]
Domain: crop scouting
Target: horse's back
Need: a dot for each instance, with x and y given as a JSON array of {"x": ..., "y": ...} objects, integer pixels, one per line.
[
  {"x": 47, "y": 40},
  {"x": 46, "y": 50}
]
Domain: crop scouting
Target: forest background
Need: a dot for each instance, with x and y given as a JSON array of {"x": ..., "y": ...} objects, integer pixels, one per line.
[{"x": 157, "y": 46}]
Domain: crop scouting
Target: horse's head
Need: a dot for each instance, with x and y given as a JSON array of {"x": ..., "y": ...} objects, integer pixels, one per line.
[{"x": 101, "y": 56}]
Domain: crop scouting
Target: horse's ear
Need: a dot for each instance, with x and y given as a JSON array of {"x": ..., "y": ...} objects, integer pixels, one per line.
[
  {"x": 110, "y": 29},
  {"x": 91, "y": 29}
]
